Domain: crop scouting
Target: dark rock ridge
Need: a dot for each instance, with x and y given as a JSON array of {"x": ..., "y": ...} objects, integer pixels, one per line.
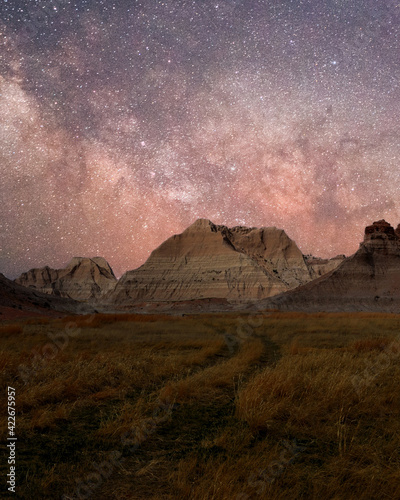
[
  {"x": 83, "y": 279},
  {"x": 215, "y": 261},
  {"x": 368, "y": 280},
  {"x": 19, "y": 298}
]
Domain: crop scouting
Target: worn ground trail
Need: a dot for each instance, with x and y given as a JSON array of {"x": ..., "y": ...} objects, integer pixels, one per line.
[{"x": 144, "y": 473}]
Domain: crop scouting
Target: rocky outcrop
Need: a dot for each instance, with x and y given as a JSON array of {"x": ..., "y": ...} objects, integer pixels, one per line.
[
  {"x": 318, "y": 267},
  {"x": 368, "y": 280},
  {"x": 272, "y": 250},
  {"x": 39, "y": 279},
  {"x": 83, "y": 279},
  {"x": 380, "y": 230},
  {"x": 214, "y": 261}
]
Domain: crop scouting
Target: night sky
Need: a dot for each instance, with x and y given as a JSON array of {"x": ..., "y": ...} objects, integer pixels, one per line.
[{"x": 123, "y": 122}]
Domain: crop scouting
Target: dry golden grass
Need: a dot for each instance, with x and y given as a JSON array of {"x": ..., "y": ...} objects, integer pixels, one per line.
[
  {"x": 378, "y": 344},
  {"x": 301, "y": 406},
  {"x": 300, "y": 391},
  {"x": 37, "y": 321},
  {"x": 94, "y": 387},
  {"x": 313, "y": 430},
  {"x": 101, "y": 319},
  {"x": 208, "y": 383}
]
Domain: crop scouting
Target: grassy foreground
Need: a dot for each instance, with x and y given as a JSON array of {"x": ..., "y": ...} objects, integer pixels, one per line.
[{"x": 234, "y": 406}]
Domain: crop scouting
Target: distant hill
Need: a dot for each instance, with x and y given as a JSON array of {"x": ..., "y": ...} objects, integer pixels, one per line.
[{"x": 83, "y": 279}]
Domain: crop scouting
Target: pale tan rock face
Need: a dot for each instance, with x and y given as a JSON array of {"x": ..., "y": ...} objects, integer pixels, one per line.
[
  {"x": 83, "y": 279},
  {"x": 368, "y": 280},
  {"x": 40, "y": 279},
  {"x": 210, "y": 261},
  {"x": 318, "y": 267}
]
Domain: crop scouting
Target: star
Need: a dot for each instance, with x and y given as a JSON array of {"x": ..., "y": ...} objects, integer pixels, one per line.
[{"x": 121, "y": 123}]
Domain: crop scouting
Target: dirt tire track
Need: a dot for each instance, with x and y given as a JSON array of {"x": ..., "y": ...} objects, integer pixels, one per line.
[{"x": 145, "y": 473}]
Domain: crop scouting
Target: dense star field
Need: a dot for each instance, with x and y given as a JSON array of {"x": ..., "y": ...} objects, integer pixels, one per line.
[{"x": 122, "y": 122}]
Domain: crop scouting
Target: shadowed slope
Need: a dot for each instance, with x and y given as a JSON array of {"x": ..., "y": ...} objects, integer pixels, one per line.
[
  {"x": 26, "y": 300},
  {"x": 368, "y": 280}
]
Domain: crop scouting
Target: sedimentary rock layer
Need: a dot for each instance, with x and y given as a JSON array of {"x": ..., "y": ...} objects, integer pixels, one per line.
[
  {"x": 368, "y": 280},
  {"x": 82, "y": 279},
  {"x": 214, "y": 261}
]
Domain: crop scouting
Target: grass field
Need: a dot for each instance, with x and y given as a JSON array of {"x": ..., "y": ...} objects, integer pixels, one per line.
[{"x": 218, "y": 406}]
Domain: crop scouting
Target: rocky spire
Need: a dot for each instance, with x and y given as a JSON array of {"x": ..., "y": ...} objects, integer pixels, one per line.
[{"x": 381, "y": 229}]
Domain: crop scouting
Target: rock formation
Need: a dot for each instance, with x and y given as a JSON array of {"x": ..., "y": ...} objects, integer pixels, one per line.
[
  {"x": 82, "y": 279},
  {"x": 27, "y": 301},
  {"x": 212, "y": 261},
  {"x": 318, "y": 267},
  {"x": 368, "y": 280}
]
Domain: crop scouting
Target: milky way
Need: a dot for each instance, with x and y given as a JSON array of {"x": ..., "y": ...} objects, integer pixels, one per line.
[{"x": 123, "y": 122}]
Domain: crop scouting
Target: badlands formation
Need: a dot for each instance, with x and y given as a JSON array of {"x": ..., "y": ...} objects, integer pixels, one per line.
[
  {"x": 214, "y": 267},
  {"x": 368, "y": 280},
  {"x": 214, "y": 261},
  {"x": 82, "y": 279}
]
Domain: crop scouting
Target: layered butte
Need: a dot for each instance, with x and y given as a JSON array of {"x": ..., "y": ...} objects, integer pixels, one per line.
[
  {"x": 214, "y": 261},
  {"x": 82, "y": 279}
]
